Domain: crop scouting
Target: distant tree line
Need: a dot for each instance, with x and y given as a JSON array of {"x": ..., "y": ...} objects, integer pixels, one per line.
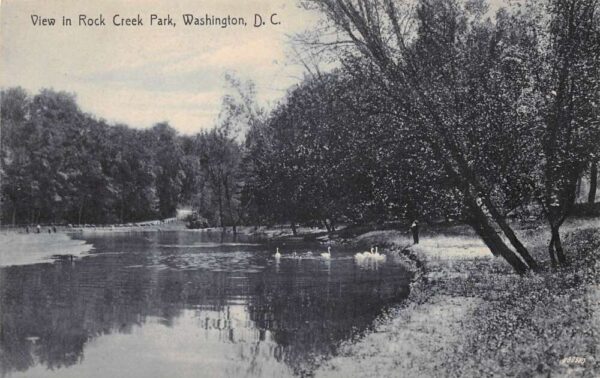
[{"x": 61, "y": 165}]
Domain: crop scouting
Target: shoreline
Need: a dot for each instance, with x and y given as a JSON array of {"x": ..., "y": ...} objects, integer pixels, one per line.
[{"x": 469, "y": 315}]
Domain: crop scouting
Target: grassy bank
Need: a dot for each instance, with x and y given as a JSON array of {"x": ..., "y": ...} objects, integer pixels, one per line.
[{"x": 470, "y": 315}]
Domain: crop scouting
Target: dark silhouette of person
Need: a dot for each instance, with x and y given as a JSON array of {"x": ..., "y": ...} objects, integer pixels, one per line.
[
  {"x": 27, "y": 229},
  {"x": 414, "y": 227},
  {"x": 39, "y": 229}
]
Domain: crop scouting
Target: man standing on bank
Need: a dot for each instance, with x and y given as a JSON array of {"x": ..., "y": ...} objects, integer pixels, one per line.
[{"x": 414, "y": 227}]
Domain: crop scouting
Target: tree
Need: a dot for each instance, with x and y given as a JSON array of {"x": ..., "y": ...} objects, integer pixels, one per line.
[
  {"x": 219, "y": 158},
  {"x": 14, "y": 177},
  {"x": 565, "y": 63},
  {"x": 62, "y": 165},
  {"x": 421, "y": 55},
  {"x": 168, "y": 167},
  {"x": 330, "y": 153}
]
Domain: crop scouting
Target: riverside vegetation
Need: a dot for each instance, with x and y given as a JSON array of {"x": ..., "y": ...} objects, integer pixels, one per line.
[{"x": 437, "y": 110}]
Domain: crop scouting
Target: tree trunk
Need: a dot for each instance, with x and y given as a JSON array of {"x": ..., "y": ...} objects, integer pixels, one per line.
[
  {"x": 501, "y": 222},
  {"x": 497, "y": 246},
  {"x": 495, "y": 214},
  {"x": 593, "y": 182},
  {"x": 220, "y": 202},
  {"x": 562, "y": 259},
  {"x": 489, "y": 242},
  {"x": 482, "y": 227},
  {"x": 521, "y": 250},
  {"x": 551, "y": 251}
]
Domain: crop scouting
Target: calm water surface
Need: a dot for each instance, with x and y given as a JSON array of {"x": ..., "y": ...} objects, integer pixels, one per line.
[{"x": 178, "y": 304}]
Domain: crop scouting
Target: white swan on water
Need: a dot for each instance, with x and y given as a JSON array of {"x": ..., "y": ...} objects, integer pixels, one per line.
[
  {"x": 369, "y": 256},
  {"x": 377, "y": 257},
  {"x": 326, "y": 255},
  {"x": 277, "y": 254},
  {"x": 363, "y": 255}
]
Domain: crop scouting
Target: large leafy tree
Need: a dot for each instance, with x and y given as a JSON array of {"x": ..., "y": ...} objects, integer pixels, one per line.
[
  {"x": 330, "y": 152},
  {"x": 566, "y": 66},
  {"x": 439, "y": 61}
]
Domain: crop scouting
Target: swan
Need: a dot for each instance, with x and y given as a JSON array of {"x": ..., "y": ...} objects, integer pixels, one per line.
[
  {"x": 363, "y": 255},
  {"x": 277, "y": 254},
  {"x": 378, "y": 257},
  {"x": 327, "y": 255},
  {"x": 369, "y": 256}
]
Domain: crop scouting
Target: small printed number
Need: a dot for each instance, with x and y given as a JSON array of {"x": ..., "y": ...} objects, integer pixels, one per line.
[{"x": 573, "y": 360}]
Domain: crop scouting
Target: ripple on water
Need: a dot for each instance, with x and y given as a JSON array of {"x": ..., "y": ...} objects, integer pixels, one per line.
[{"x": 155, "y": 311}]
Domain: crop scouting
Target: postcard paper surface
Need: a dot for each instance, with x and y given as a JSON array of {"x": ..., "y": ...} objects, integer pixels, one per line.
[{"x": 299, "y": 188}]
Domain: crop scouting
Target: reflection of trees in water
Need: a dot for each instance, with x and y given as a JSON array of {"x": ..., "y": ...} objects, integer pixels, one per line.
[
  {"x": 309, "y": 315},
  {"x": 62, "y": 306},
  {"x": 293, "y": 316}
]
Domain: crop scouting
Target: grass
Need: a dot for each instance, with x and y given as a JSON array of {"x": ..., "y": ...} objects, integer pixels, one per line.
[{"x": 471, "y": 316}]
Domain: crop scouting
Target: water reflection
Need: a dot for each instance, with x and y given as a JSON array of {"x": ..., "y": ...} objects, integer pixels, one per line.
[{"x": 160, "y": 304}]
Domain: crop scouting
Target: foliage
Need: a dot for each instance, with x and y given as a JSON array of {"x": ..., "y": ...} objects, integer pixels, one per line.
[
  {"x": 472, "y": 89},
  {"x": 62, "y": 165},
  {"x": 328, "y": 154}
]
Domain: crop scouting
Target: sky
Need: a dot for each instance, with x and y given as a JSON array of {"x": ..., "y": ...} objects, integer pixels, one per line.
[{"x": 142, "y": 75}]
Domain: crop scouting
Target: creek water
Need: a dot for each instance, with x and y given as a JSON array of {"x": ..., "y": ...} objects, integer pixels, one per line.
[{"x": 185, "y": 303}]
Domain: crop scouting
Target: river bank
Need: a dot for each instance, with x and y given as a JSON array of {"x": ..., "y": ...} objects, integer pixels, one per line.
[{"x": 469, "y": 315}]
